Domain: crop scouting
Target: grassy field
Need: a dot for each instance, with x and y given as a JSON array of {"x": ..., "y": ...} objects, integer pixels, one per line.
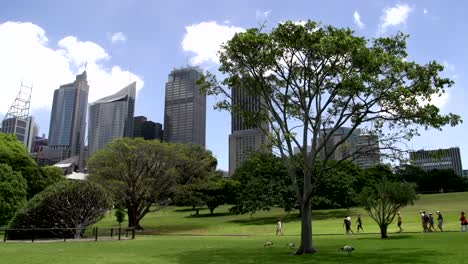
[
  {"x": 180, "y": 220},
  {"x": 217, "y": 245}
]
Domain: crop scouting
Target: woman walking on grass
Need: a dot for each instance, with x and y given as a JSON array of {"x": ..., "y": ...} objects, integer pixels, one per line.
[{"x": 440, "y": 221}]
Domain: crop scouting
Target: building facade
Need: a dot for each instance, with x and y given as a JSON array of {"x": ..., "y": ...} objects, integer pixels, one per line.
[
  {"x": 110, "y": 118},
  {"x": 353, "y": 145},
  {"x": 146, "y": 129},
  {"x": 438, "y": 159},
  {"x": 185, "y": 108},
  {"x": 25, "y": 130},
  {"x": 246, "y": 137},
  {"x": 68, "y": 119}
]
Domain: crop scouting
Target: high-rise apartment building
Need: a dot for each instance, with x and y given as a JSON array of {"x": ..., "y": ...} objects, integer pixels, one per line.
[
  {"x": 438, "y": 159},
  {"x": 246, "y": 137},
  {"x": 185, "y": 108},
  {"x": 110, "y": 118},
  {"x": 68, "y": 119}
]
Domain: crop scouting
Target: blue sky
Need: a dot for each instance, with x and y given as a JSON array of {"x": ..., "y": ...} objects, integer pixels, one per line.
[{"x": 45, "y": 43}]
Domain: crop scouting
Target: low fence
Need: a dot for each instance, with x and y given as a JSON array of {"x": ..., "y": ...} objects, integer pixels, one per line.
[{"x": 75, "y": 234}]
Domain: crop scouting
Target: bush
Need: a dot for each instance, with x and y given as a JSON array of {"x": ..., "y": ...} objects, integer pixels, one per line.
[{"x": 71, "y": 205}]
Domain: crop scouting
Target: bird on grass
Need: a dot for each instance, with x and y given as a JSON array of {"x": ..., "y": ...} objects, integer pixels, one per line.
[
  {"x": 347, "y": 249},
  {"x": 268, "y": 244},
  {"x": 291, "y": 245}
]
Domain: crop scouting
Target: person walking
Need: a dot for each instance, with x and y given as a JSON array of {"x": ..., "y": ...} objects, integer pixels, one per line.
[
  {"x": 347, "y": 224},
  {"x": 279, "y": 227},
  {"x": 431, "y": 223},
  {"x": 359, "y": 223},
  {"x": 400, "y": 222},
  {"x": 440, "y": 221},
  {"x": 463, "y": 222},
  {"x": 424, "y": 221}
]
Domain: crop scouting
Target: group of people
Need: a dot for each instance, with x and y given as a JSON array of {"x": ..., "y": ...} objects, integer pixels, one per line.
[
  {"x": 427, "y": 221},
  {"x": 347, "y": 223}
]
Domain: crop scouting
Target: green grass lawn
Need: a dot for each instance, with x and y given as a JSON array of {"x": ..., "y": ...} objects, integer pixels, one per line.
[
  {"x": 180, "y": 220},
  {"x": 218, "y": 247}
]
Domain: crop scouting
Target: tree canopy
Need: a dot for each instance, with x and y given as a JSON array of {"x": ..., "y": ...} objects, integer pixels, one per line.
[
  {"x": 313, "y": 80},
  {"x": 12, "y": 192},
  {"x": 68, "y": 204},
  {"x": 144, "y": 175}
]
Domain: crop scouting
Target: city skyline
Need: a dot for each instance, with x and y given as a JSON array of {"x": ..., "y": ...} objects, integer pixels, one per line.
[{"x": 42, "y": 44}]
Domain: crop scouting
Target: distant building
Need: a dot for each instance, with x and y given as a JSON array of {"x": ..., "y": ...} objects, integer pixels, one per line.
[
  {"x": 185, "y": 108},
  {"x": 438, "y": 159},
  {"x": 465, "y": 173},
  {"x": 39, "y": 150},
  {"x": 110, "y": 118},
  {"x": 361, "y": 148},
  {"x": 146, "y": 129},
  {"x": 245, "y": 138},
  {"x": 68, "y": 119},
  {"x": 23, "y": 128}
]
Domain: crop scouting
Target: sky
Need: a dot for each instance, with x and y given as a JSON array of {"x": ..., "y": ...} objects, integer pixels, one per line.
[{"x": 46, "y": 43}]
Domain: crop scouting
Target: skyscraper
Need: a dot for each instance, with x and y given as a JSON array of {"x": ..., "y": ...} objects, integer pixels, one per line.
[
  {"x": 24, "y": 129},
  {"x": 185, "y": 108},
  {"x": 146, "y": 129},
  {"x": 68, "y": 119},
  {"x": 245, "y": 138},
  {"x": 111, "y": 117}
]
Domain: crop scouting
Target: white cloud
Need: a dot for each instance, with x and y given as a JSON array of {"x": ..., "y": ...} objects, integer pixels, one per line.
[
  {"x": 357, "y": 20},
  {"x": 425, "y": 11},
  {"x": 26, "y": 55},
  {"x": 394, "y": 16},
  {"x": 205, "y": 39},
  {"x": 118, "y": 37},
  {"x": 227, "y": 21},
  {"x": 262, "y": 15}
]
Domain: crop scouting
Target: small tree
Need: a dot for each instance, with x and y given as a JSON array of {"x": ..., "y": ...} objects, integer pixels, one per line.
[
  {"x": 68, "y": 207},
  {"x": 12, "y": 192},
  {"x": 383, "y": 201},
  {"x": 120, "y": 216}
]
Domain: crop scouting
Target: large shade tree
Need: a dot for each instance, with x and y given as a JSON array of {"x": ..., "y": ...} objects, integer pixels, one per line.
[{"x": 315, "y": 79}]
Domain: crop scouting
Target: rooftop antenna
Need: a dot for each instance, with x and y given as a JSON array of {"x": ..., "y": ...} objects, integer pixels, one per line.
[{"x": 85, "y": 65}]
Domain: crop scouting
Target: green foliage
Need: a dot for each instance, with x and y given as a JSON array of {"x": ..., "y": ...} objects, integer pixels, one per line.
[
  {"x": 51, "y": 175},
  {"x": 12, "y": 192},
  {"x": 67, "y": 204},
  {"x": 383, "y": 201},
  {"x": 311, "y": 77},
  {"x": 138, "y": 173},
  {"x": 119, "y": 216},
  {"x": 263, "y": 185},
  {"x": 14, "y": 154}
]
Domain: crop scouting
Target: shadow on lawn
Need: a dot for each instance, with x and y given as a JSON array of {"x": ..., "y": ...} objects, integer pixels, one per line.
[
  {"x": 316, "y": 215},
  {"x": 326, "y": 255}
]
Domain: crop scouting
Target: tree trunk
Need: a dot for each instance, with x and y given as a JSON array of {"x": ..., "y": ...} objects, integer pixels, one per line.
[
  {"x": 306, "y": 230},
  {"x": 133, "y": 219},
  {"x": 383, "y": 231},
  {"x": 211, "y": 210}
]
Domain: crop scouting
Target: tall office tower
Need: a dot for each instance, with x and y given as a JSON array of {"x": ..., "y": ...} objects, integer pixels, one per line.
[
  {"x": 245, "y": 138},
  {"x": 146, "y": 129},
  {"x": 68, "y": 120},
  {"x": 438, "y": 159},
  {"x": 185, "y": 108},
  {"x": 110, "y": 118}
]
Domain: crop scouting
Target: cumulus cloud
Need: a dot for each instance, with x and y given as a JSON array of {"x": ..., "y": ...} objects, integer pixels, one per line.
[
  {"x": 27, "y": 56},
  {"x": 394, "y": 16},
  {"x": 357, "y": 20},
  {"x": 204, "y": 40},
  {"x": 118, "y": 37}
]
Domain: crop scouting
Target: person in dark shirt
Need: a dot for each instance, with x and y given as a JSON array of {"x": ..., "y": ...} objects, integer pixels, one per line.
[
  {"x": 440, "y": 221},
  {"x": 359, "y": 223}
]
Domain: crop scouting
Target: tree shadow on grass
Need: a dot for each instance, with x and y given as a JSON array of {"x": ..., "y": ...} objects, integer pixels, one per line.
[
  {"x": 208, "y": 215},
  {"x": 390, "y": 237},
  {"x": 325, "y": 256},
  {"x": 316, "y": 215},
  {"x": 189, "y": 209}
]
